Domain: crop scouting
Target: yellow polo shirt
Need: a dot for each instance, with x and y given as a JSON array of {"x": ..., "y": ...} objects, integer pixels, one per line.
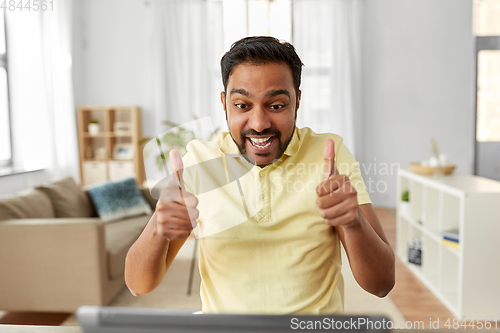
[{"x": 263, "y": 246}]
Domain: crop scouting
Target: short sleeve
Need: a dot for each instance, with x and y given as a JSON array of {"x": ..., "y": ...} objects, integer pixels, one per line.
[{"x": 347, "y": 165}]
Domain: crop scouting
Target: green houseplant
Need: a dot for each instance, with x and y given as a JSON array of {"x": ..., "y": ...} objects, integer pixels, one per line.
[
  {"x": 404, "y": 204},
  {"x": 177, "y": 137},
  {"x": 93, "y": 127}
]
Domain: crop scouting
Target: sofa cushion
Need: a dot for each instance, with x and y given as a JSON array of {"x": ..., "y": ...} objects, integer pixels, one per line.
[
  {"x": 119, "y": 238},
  {"x": 119, "y": 199},
  {"x": 67, "y": 198},
  {"x": 27, "y": 204},
  {"x": 147, "y": 195}
]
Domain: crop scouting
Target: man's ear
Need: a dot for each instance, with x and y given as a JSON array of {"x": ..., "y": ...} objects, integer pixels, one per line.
[
  {"x": 223, "y": 100},
  {"x": 297, "y": 104}
]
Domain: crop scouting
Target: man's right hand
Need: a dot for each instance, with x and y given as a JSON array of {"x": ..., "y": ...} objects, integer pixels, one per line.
[{"x": 176, "y": 211}]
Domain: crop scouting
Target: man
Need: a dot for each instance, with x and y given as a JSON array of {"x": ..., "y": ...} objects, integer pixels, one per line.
[{"x": 285, "y": 257}]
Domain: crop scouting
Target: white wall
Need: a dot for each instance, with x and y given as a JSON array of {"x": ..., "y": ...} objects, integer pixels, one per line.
[
  {"x": 110, "y": 57},
  {"x": 418, "y": 81},
  {"x": 111, "y": 45},
  {"x": 418, "y": 84},
  {"x": 15, "y": 183}
]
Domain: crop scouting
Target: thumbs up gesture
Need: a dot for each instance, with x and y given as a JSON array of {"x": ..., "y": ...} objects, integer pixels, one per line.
[
  {"x": 176, "y": 211},
  {"x": 337, "y": 198}
]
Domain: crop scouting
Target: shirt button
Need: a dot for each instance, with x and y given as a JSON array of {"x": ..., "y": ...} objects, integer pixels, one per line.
[
  {"x": 262, "y": 175},
  {"x": 262, "y": 197}
]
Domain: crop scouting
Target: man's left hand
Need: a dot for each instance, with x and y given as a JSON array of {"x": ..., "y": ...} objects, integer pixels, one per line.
[{"x": 337, "y": 198}]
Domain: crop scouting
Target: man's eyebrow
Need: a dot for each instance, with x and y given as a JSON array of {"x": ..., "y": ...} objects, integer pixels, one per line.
[
  {"x": 270, "y": 94},
  {"x": 274, "y": 93},
  {"x": 239, "y": 91}
]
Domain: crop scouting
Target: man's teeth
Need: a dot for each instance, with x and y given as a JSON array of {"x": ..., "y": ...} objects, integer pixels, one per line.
[{"x": 261, "y": 142}]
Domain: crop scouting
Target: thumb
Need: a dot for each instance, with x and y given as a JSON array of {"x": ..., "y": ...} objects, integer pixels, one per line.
[
  {"x": 177, "y": 165},
  {"x": 329, "y": 159},
  {"x": 176, "y": 160}
]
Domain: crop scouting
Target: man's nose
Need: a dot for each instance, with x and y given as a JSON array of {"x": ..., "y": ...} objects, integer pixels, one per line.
[{"x": 259, "y": 119}]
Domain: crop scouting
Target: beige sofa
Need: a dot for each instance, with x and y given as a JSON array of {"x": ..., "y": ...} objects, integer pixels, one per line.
[{"x": 52, "y": 262}]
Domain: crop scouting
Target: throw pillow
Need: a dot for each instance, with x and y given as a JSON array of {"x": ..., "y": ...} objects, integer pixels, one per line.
[
  {"x": 26, "y": 205},
  {"x": 67, "y": 198},
  {"x": 119, "y": 199}
]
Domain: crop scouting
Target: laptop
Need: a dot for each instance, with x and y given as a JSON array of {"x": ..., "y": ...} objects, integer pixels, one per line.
[{"x": 102, "y": 319}]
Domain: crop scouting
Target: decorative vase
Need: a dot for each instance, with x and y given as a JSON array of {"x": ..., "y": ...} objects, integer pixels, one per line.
[
  {"x": 93, "y": 129},
  {"x": 404, "y": 207}
]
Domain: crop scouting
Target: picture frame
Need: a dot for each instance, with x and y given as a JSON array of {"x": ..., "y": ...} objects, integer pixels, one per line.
[{"x": 123, "y": 151}]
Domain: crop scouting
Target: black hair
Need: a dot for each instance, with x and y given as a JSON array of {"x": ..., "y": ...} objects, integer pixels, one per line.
[{"x": 260, "y": 50}]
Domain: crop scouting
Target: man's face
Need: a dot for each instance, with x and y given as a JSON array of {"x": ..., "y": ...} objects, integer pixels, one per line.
[{"x": 261, "y": 106}]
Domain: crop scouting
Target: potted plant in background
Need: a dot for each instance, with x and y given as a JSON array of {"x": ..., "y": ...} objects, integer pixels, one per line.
[
  {"x": 404, "y": 205},
  {"x": 177, "y": 137},
  {"x": 93, "y": 127}
]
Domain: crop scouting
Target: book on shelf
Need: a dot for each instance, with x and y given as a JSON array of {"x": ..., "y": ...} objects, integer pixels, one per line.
[
  {"x": 451, "y": 239},
  {"x": 451, "y": 244},
  {"x": 451, "y": 234}
]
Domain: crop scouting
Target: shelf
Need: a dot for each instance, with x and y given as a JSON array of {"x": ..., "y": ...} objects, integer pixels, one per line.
[
  {"x": 99, "y": 135},
  {"x": 120, "y": 129},
  {"x": 412, "y": 222},
  {"x": 464, "y": 280},
  {"x": 107, "y": 135},
  {"x": 415, "y": 190},
  {"x": 415, "y": 268},
  {"x": 451, "y": 212},
  {"x": 452, "y": 251},
  {"x": 448, "y": 184},
  {"x": 450, "y": 273},
  {"x": 120, "y": 160},
  {"x": 401, "y": 238},
  {"x": 431, "y": 259},
  {"x": 120, "y": 135},
  {"x": 431, "y": 234},
  {"x": 432, "y": 208},
  {"x": 433, "y": 280},
  {"x": 451, "y": 300}
]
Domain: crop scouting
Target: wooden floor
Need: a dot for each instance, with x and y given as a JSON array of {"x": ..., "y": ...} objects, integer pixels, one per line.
[
  {"x": 33, "y": 318},
  {"x": 412, "y": 298}
]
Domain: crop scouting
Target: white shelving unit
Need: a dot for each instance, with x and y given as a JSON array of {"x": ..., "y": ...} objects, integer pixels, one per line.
[{"x": 467, "y": 280}]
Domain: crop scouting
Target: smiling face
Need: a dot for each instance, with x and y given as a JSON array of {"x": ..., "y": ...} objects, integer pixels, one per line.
[{"x": 261, "y": 106}]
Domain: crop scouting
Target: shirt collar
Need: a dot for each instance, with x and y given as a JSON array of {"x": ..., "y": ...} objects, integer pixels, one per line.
[{"x": 227, "y": 145}]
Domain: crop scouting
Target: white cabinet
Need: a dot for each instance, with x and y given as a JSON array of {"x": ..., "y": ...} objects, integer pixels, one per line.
[
  {"x": 94, "y": 172},
  {"x": 465, "y": 280},
  {"x": 119, "y": 170}
]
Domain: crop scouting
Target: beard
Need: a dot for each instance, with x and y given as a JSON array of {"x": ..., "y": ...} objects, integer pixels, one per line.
[{"x": 267, "y": 132}]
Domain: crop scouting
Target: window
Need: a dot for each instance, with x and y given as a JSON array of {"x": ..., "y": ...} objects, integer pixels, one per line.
[
  {"x": 487, "y": 31},
  {"x": 5, "y": 135},
  {"x": 257, "y": 18},
  {"x": 270, "y": 18},
  {"x": 327, "y": 40}
]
